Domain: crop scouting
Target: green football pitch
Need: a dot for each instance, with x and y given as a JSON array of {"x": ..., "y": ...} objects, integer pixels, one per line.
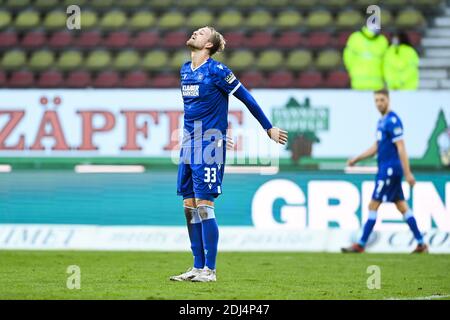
[{"x": 243, "y": 275}]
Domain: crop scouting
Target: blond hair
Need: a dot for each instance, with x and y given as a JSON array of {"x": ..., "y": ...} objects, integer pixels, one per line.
[{"x": 217, "y": 40}]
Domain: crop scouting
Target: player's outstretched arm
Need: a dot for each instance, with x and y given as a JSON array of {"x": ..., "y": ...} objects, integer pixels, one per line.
[
  {"x": 401, "y": 148},
  {"x": 276, "y": 134},
  {"x": 366, "y": 154}
]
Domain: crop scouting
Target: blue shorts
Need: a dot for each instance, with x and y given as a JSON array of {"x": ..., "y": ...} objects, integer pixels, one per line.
[
  {"x": 200, "y": 179},
  {"x": 388, "y": 188}
]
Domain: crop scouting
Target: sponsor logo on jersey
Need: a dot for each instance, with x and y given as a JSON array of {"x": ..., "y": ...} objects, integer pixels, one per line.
[{"x": 190, "y": 90}]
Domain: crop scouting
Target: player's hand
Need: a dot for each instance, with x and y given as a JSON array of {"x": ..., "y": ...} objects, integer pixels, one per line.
[
  {"x": 278, "y": 135},
  {"x": 409, "y": 177},
  {"x": 230, "y": 143},
  {"x": 351, "y": 162}
]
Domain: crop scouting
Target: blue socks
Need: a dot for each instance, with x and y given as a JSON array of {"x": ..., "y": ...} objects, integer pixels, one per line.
[
  {"x": 368, "y": 227},
  {"x": 411, "y": 221},
  {"x": 210, "y": 234},
  {"x": 409, "y": 218},
  {"x": 194, "y": 225}
]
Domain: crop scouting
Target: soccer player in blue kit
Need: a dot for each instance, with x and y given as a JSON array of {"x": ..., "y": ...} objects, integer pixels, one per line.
[
  {"x": 206, "y": 85},
  {"x": 392, "y": 164}
]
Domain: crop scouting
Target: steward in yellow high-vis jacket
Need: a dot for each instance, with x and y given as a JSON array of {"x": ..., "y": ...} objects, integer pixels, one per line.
[
  {"x": 401, "y": 64},
  {"x": 363, "y": 58}
]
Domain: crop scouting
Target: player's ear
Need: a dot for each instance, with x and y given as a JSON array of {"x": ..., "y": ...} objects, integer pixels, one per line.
[{"x": 209, "y": 45}]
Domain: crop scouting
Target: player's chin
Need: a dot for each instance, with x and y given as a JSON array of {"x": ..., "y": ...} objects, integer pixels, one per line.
[{"x": 190, "y": 43}]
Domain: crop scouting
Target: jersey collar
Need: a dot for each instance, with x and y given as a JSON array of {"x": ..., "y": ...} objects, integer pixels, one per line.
[{"x": 200, "y": 65}]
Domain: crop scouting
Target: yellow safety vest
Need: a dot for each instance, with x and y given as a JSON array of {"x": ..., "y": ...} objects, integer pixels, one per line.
[
  {"x": 363, "y": 58},
  {"x": 401, "y": 67}
]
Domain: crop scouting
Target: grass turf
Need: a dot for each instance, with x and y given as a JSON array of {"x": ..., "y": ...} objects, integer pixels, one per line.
[{"x": 144, "y": 275}]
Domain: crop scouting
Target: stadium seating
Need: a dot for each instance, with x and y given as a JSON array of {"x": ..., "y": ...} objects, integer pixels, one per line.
[
  {"x": 279, "y": 43},
  {"x": 299, "y": 60},
  {"x": 141, "y": 20},
  {"x": 88, "y": 39},
  {"x": 21, "y": 79},
  {"x": 154, "y": 60},
  {"x": 69, "y": 60},
  {"x": 126, "y": 61},
  {"x": 107, "y": 79},
  {"x": 33, "y": 40},
  {"x": 288, "y": 19},
  {"x": 55, "y": 20},
  {"x": 8, "y": 39},
  {"x": 253, "y": 79},
  {"x": 280, "y": 79},
  {"x": 41, "y": 60},
  {"x": 79, "y": 79},
  {"x": 135, "y": 79},
  {"x": 60, "y": 39},
  {"x": 50, "y": 79}
]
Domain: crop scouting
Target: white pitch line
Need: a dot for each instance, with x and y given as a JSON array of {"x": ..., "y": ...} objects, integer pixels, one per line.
[{"x": 432, "y": 297}]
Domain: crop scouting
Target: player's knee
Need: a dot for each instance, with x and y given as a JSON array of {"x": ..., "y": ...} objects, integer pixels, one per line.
[
  {"x": 206, "y": 212},
  {"x": 402, "y": 206},
  {"x": 191, "y": 215},
  {"x": 373, "y": 205}
]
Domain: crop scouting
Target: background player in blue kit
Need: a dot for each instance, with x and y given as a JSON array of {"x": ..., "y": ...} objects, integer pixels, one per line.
[
  {"x": 392, "y": 164},
  {"x": 205, "y": 86}
]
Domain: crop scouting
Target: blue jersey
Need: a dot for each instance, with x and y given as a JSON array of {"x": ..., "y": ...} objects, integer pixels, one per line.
[
  {"x": 205, "y": 92},
  {"x": 389, "y": 130}
]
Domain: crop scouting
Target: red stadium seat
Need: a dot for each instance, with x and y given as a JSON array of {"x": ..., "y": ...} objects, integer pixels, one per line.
[
  {"x": 50, "y": 79},
  {"x": 89, "y": 39},
  {"x": 310, "y": 79},
  {"x": 60, "y": 39},
  {"x": 107, "y": 79},
  {"x": 235, "y": 39},
  {"x": 319, "y": 40},
  {"x": 135, "y": 79},
  {"x": 175, "y": 39},
  {"x": 289, "y": 39},
  {"x": 280, "y": 79},
  {"x": 79, "y": 79},
  {"x": 145, "y": 40},
  {"x": 165, "y": 81},
  {"x": 21, "y": 79},
  {"x": 8, "y": 39},
  {"x": 252, "y": 79},
  {"x": 117, "y": 39},
  {"x": 34, "y": 39},
  {"x": 337, "y": 79},
  {"x": 342, "y": 39},
  {"x": 2, "y": 79},
  {"x": 260, "y": 39}
]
